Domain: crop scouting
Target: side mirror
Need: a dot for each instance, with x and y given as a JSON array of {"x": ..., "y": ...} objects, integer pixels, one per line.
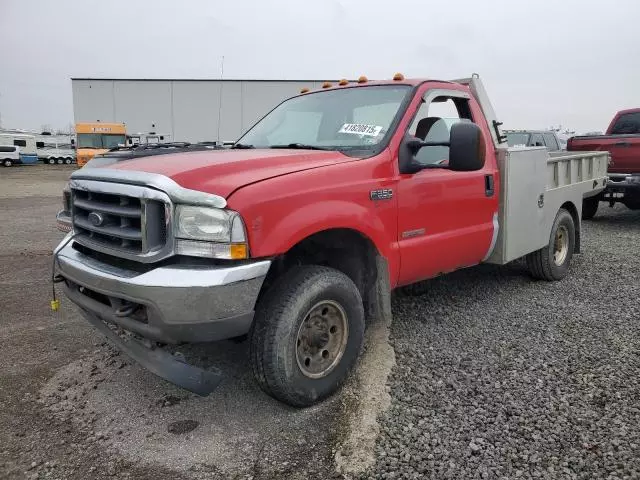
[
  {"x": 408, "y": 148},
  {"x": 467, "y": 147}
]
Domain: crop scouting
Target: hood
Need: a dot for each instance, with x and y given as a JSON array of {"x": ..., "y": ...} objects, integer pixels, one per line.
[{"x": 221, "y": 172}]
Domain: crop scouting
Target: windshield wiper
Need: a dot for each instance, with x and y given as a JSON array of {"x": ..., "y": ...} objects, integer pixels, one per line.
[
  {"x": 301, "y": 146},
  {"x": 242, "y": 146}
]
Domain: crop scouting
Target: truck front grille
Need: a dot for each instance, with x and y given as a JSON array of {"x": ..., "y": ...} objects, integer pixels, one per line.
[{"x": 121, "y": 223}]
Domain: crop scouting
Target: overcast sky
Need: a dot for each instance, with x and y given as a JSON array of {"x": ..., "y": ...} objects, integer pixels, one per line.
[{"x": 543, "y": 62}]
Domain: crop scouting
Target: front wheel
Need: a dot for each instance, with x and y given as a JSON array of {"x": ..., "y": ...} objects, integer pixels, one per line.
[
  {"x": 552, "y": 262},
  {"x": 590, "y": 207},
  {"x": 307, "y": 335}
]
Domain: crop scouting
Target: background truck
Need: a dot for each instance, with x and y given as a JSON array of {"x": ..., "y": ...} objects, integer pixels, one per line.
[
  {"x": 622, "y": 141},
  {"x": 95, "y": 138},
  {"x": 298, "y": 233},
  {"x": 534, "y": 138}
]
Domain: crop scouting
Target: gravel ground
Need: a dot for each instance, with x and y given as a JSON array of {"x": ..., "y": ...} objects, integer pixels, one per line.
[
  {"x": 496, "y": 376},
  {"x": 501, "y": 377}
]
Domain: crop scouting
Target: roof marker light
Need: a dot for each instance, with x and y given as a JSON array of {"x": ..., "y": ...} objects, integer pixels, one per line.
[
  {"x": 362, "y": 79},
  {"x": 326, "y": 85},
  {"x": 343, "y": 82},
  {"x": 398, "y": 77}
]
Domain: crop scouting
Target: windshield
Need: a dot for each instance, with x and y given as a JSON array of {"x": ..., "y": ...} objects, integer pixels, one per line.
[
  {"x": 514, "y": 139},
  {"x": 99, "y": 140},
  {"x": 348, "y": 118}
]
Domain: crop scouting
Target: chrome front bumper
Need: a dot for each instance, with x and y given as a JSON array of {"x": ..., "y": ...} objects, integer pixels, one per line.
[{"x": 169, "y": 304}]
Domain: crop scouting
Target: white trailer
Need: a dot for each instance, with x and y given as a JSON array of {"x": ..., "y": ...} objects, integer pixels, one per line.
[{"x": 55, "y": 149}]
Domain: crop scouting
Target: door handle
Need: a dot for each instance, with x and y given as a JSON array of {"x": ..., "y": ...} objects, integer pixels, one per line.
[
  {"x": 622, "y": 144},
  {"x": 488, "y": 185}
]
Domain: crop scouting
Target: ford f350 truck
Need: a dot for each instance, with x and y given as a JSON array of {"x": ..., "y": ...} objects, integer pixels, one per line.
[
  {"x": 297, "y": 235},
  {"x": 622, "y": 141}
]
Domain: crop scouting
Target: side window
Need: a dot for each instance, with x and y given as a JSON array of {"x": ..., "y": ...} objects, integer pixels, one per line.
[
  {"x": 39, "y": 144},
  {"x": 550, "y": 140},
  {"x": 7, "y": 149},
  {"x": 20, "y": 143},
  {"x": 433, "y": 124},
  {"x": 537, "y": 140}
]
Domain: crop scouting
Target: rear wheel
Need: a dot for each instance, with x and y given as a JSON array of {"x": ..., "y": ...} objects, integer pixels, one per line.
[
  {"x": 60, "y": 161},
  {"x": 590, "y": 207},
  {"x": 552, "y": 262},
  {"x": 7, "y": 162},
  {"x": 307, "y": 335},
  {"x": 51, "y": 161},
  {"x": 67, "y": 161}
]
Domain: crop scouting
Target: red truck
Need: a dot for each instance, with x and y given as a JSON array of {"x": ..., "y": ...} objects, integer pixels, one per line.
[
  {"x": 622, "y": 141},
  {"x": 298, "y": 234}
]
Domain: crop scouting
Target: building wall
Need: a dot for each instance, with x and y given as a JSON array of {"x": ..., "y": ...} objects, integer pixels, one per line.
[{"x": 185, "y": 110}]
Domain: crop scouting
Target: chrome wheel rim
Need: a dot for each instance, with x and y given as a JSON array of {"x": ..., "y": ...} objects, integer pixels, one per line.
[
  {"x": 322, "y": 339},
  {"x": 561, "y": 245}
]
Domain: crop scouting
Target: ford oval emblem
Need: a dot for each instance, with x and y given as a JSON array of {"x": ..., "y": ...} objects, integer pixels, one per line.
[{"x": 96, "y": 219}]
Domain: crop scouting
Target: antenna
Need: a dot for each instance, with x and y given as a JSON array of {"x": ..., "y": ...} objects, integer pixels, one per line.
[{"x": 220, "y": 97}]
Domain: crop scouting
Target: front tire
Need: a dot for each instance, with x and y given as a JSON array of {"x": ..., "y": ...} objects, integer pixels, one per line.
[
  {"x": 590, "y": 207},
  {"x": 551, "y": 263},
  {"x": 307, "y": 335}
]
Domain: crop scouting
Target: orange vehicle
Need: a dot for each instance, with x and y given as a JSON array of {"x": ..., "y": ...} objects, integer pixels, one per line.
[{"x": 96, "y": 138}]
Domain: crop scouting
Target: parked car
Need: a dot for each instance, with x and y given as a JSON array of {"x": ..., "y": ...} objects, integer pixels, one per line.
[
  {"x": 298, "y": 233},
  {"x": 9, "y": 154},
  {"x": 534, "y": 138},
  {"x": 622, "y": 141},
  {"x": 119, "y": 154}
]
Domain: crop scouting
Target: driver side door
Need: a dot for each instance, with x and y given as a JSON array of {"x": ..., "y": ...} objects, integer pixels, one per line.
[{"x": 446, "y": 218}]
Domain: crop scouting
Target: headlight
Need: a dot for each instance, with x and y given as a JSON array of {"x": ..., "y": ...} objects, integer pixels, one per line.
[{"x": 210, "y": 232}]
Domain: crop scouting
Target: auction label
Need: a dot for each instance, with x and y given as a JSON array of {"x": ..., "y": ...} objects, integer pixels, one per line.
[{"x": 361, "y": 129}]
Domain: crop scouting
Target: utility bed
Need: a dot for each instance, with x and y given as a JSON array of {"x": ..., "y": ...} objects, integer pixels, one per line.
[{"x": 534, "y": 185}]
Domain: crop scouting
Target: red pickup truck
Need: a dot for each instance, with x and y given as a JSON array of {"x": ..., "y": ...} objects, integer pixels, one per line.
[
  {"x": 622, "y": 141},
  {"x": 298, "y": 234}
]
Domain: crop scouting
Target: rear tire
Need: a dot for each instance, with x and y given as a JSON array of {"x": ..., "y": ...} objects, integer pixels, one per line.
[
  {"x": 590, "y": 207},
  {"x": 551, "y": 263},
  {"x": 67, "y": 161},
  {"x": 51, "y": 161},
  {"x": 59, "y": 161},
  {"x": 307, "y": 335},
  {"x": 7, "y": 162}
]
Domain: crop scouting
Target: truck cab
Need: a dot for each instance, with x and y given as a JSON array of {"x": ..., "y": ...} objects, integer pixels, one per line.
[{"x": 297, "y": 234}]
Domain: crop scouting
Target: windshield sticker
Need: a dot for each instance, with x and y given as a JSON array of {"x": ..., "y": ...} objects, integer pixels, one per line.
[{"x": 361, "y": 129}]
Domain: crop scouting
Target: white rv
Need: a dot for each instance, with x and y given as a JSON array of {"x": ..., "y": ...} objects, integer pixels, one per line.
[{"x": 27, "y": 143}]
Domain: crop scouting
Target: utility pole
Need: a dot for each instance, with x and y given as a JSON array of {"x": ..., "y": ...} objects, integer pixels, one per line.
[{"x": 220, "y": 98}]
